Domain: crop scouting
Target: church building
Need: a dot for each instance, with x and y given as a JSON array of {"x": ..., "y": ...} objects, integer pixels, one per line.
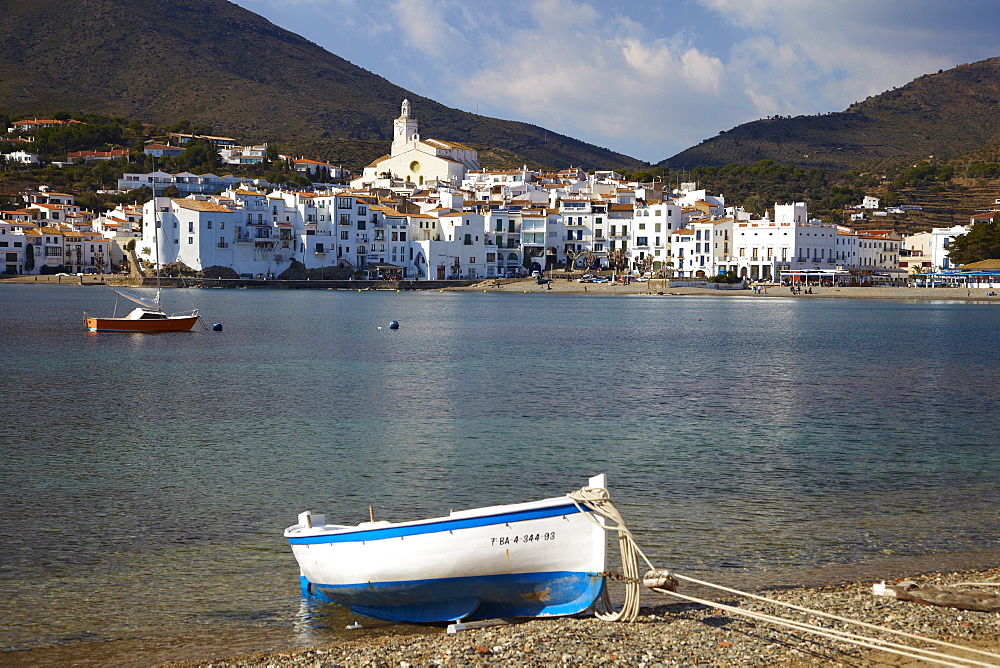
[{"x": 422, "y": 162}]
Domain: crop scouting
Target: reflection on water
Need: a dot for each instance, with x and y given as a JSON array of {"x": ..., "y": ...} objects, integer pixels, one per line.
[{"x": 146, "y": 479}]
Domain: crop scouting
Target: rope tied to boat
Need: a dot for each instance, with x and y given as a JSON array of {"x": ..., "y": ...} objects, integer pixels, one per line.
[
  {"x": 598, "y": 500},
  {"x": 662, "y": 581}
]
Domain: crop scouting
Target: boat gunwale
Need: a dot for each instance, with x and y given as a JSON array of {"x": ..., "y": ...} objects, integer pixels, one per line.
[{"x": 467, "y": 519}]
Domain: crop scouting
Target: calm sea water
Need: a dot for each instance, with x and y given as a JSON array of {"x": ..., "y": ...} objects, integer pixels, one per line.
[{"x": 146, "y": 479}]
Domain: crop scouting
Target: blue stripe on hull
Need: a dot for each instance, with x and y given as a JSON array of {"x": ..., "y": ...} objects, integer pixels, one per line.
[
  {"x": 434, "y": 527},
  {"x": 485, "y": 597}
]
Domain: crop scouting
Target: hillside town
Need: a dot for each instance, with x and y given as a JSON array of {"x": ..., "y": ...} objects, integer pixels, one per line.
[{"x": 428, "y": 211}]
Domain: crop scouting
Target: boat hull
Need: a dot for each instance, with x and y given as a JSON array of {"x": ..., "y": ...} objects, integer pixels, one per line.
[
  {"x": 537, "y": 559},
  {"x": 169, "y": 324},
  {"x": 487, "y": 597}
]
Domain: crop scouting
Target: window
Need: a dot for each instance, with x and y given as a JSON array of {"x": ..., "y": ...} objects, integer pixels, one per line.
[
  {"x": 468, "y": 239},
  {"x": 190, "y": 226},
  {"x": 343, "y": 235},
  {"x": 319, "y": 248},
  {"x": 190, "y": 240},
  {"x": 209, "y": 224},
  {"x": 642, "y": 241},
  {"x": 472, "y": 260}
]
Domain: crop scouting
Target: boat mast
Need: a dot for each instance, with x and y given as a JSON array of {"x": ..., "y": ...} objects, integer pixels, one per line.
[{"x": 156, "y": 237}]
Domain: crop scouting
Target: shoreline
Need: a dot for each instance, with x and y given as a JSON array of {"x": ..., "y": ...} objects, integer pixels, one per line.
[
  {"x": 655, "y": 288},
  {"x": 560, "y": 285},
  {"x": 669, "y": 631}
]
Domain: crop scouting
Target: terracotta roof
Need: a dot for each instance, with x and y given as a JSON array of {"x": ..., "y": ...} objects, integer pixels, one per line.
[
  {"x": 375, "y": 162},
  {"x": 198, "y": 205}
]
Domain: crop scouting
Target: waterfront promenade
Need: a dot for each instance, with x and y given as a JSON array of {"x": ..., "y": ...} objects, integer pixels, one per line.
[{"x": 559, "y": 285}]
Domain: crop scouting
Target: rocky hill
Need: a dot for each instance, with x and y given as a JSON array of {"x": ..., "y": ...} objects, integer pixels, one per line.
[
  {"x": 943, "y": 115},
  {"x": 216, "y": 64}
]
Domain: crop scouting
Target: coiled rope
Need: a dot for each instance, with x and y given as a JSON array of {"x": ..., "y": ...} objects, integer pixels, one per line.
[{"x": 662, "y": 581}]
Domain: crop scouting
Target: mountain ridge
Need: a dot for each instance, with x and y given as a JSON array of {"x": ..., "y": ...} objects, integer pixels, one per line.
[
  {"x": 215, "y": 63},
  {"x": 936, "y": 116}
]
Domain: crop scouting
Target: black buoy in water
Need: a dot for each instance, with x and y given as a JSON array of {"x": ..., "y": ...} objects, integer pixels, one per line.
[
  {"x": 394, "y": 325},
  {"x": 217, "y": 327}
]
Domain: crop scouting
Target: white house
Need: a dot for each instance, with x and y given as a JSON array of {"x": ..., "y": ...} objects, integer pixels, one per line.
[
  {"x": 22, "y": 157},
  {"x": 13, "y": 245},
  {"x": 928, "y": 251},
  {"x": 464, "y": 249},
  {"x": 765, "y": 248}
]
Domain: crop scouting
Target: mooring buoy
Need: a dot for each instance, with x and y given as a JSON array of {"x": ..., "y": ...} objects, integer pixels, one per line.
[
  {"x": 217, "y": 327},
  {"x": 394, "y": 325}
]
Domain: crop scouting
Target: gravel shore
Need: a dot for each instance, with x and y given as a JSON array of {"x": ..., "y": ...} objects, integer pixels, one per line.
[{"x": 674, "y": 633}]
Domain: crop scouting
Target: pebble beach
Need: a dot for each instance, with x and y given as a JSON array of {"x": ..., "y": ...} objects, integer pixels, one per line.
[{"x": 670, "y": 632}]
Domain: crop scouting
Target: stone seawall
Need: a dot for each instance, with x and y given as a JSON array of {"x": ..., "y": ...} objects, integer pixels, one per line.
[{"x": 277, "y": 284}]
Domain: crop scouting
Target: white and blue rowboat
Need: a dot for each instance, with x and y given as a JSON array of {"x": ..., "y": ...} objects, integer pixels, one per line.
[{"x": 536, "y": 559}]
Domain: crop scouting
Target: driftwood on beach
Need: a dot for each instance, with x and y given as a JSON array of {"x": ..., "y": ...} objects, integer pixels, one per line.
[{"x": 946, "y": 597}]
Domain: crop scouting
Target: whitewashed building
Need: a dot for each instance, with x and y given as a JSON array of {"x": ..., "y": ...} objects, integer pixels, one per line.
[{"x": 462, "y": 248}]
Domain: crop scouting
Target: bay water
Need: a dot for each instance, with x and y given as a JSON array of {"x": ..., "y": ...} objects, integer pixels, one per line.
[{"x": 146, "y": 479}]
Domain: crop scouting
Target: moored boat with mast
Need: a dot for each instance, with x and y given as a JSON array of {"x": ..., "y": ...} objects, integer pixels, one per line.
[{"x": 148, "y": 316}]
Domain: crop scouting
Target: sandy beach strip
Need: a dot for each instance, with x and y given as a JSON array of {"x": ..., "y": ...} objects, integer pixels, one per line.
[
  {"x": 675, "y": 633},
  {"x": 661, "y": 288}
]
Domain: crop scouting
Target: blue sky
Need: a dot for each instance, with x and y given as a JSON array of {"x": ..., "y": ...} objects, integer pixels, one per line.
[{"x": 647, "y": 78}]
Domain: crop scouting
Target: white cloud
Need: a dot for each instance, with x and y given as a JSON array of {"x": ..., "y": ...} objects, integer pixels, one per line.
[
  {"x": 646, "y": 79},
  {"x": 432, "y": 28},
  {"x": 808, "y": 56}
]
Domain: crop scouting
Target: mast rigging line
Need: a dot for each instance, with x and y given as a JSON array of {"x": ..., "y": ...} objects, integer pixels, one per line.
[{"x": 664, "y": 582}]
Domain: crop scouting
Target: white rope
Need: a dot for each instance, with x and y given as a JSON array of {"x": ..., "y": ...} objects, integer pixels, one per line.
[
  {"x": 599, "y": 501},
  {"x": 828, "y": 615},
  {"x": 846, "y": 636}
]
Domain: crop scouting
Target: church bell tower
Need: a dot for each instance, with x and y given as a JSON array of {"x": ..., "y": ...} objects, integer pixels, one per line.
[{"x": 404, "y": 128}]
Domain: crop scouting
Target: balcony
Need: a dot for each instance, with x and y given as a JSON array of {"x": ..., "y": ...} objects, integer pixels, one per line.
[{"x": 222, "y": 244}]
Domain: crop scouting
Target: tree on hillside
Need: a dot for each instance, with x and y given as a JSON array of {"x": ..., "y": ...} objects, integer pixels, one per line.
[{"x": 982, "y": 242}]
